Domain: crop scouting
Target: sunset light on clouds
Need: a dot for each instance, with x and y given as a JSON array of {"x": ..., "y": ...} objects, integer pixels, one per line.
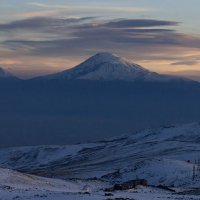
[{"x": 41, "y": 37}]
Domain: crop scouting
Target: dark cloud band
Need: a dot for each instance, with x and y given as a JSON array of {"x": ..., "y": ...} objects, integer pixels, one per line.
[{"x": 81, "y": 35}]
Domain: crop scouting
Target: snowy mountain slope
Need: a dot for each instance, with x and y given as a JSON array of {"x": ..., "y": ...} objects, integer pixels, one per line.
[
  {"x": 6, "y": 75},
  {"x": 159, "y": 155},
  {"x": 15, "y": 185},
  {"x": 39, "y": 156},
  {"x": 18, "y": 180},
  {"x": 157, "y": 171},
  {"x": 109, "y": 67},
  {"x": 3, "y": 73}
]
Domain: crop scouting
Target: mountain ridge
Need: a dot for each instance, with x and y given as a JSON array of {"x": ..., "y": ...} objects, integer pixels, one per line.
[
  {"x": 166, "y": 149},
  {"x": 69, "y": 111},
  {"x": 4, "y": 74},
  {"x": 106, "y": 66}
]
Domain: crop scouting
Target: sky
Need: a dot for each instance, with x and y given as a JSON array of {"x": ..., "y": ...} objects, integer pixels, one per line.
[{"x": 42, "y": 37}]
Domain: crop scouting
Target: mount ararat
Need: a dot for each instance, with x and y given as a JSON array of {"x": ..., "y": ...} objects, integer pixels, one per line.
[
  {"x": 102, "y": 97},
  {"x": 110, "y": 67}
]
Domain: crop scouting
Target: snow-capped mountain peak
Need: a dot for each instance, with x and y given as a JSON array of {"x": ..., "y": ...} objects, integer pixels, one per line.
[
  {"x": 112, "y": 59},
  {"x": 5, "y": 74},
  {"x": 105, "y": 56},
  {"x": 109, "y": 67}
]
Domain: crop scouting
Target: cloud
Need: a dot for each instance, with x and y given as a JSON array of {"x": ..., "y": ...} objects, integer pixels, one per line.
[
  {"x": 79, "y": 34},
  {"x": 128, "y": 23},
  {"x": 41, "y": 23},
  {"x": 190, "y": 60},
  {"x": 144, "y": 39},
  {"x": 90, "y": 8},
  {"x": 61, "y": 36},
  {"x": 36, "y": 13},
  {"x": 186, "y": 62},
  {"x": 39, "y": 4}
]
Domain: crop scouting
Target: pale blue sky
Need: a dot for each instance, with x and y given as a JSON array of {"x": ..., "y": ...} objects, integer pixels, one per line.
[{"x": 34, "y": 38}]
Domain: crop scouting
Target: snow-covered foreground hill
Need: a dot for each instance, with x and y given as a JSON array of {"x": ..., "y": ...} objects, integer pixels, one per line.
[
  {"x": 162, "y": 156},
  {"x": 15, "y": 185}
]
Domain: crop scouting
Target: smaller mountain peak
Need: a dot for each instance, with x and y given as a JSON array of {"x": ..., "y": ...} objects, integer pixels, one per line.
[
  {"x": 1, "y": 69},
  {"x": 5, "y": 74}
]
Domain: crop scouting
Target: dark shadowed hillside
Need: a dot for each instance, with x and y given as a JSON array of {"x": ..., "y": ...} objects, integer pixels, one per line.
[{"x": 60, "y": 111}]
